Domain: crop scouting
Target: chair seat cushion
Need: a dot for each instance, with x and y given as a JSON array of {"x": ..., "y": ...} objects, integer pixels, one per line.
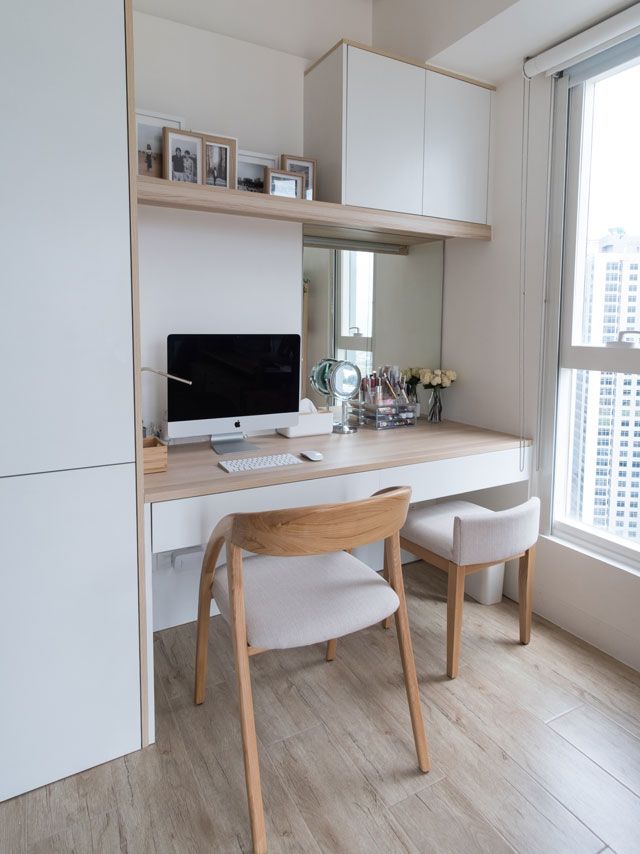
[
  {"x": 297, "y": 601},
  {"x": 432, "y": 527}
]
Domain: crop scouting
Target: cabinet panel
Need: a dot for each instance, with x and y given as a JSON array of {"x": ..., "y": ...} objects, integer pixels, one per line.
[
  {"x": 69, "y": 666},
  {"x": 384, "y": 133},
  {"x": 65, "y": 318},
  {"x": 456, "y": 152}
]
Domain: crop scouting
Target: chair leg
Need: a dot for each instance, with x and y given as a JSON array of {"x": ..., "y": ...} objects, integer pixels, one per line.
[
  {"x": 247, "y": 719},
  {"x": 392, "y": 553},
  {"x": 331, "y": 649},
  {"x": 455, "y": 600},
  {"x": 202, "y": 639},
  {"x": 386, "y": 623},
  {"x": 525, "y": 588}
]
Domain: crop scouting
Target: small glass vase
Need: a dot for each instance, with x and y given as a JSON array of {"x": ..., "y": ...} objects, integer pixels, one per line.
[{"x": 435, "y": 406}]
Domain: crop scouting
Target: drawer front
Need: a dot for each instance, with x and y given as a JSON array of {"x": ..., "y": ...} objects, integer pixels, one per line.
[
  {"x": 441, "y": 478},
  {"x": 189, "y": 521}
]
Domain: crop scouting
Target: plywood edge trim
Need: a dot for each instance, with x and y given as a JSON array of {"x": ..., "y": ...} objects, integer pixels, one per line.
[
  {"x": 160, "y": 193},
  {"x": 407, "y": 60}
]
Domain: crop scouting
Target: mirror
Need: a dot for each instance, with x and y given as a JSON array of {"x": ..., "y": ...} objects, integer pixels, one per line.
[{"x": 372, "y": 308}]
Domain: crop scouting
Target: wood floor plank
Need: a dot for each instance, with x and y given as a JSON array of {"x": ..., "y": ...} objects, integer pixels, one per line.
[
  {"x": 445, "y": 821},
  {"x": 343, "y": 812},
  {"x": 338, "y": 765},
  {"x": 603, "y": 741},
  {"x": 508, "y": 798},
  {"x": 13, "y": 825},
  {"x": 604, "y": 805},
  {"x": 581, "y": 671}
]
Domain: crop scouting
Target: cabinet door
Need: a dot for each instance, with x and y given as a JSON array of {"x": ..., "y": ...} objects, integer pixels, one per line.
[
  {"x": 69, "y": 661},
  {"x": 456, "y": 154},
  {"x": 384, "y": 132},
  {"x": 66, "y": 385}
]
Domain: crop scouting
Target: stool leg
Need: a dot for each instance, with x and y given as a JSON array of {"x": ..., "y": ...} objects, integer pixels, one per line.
[
  {"x": 455, "y": 600},
  {"x": 331, "y": 649},
  {"x": 525, "y": 588}
]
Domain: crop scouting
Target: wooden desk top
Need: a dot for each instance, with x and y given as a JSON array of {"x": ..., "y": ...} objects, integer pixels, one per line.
[{"x": 193, "y": 468}]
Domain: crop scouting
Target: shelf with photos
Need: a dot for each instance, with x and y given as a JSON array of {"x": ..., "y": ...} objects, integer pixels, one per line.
[{"x": 207, "y": 172}]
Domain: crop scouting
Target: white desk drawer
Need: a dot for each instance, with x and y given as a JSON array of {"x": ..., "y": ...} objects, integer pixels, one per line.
[
  {"x": 189, "y": 521},
  {"x": 456, "y": 475}
]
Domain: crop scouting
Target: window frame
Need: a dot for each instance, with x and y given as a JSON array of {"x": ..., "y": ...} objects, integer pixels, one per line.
[{"x": 570, "y": 161}]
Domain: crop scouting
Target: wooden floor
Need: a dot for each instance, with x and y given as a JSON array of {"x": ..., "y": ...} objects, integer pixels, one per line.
[{"x": 534, "y": 749}]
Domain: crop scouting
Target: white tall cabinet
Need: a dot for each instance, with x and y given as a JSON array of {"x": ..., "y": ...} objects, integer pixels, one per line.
[
  {"x": 392, "y": 134},
  {"x": 69, "y": 660}
]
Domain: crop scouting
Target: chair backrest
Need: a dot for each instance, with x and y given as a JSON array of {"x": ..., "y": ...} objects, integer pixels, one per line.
[
  {"x": 323, "y": 527},
  {"x": 493, "y": 536}
]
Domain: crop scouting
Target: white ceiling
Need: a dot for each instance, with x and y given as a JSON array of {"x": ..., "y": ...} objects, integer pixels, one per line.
[
  {"x": 495, "y": 50},
  {"x": 304, "y": 28}
]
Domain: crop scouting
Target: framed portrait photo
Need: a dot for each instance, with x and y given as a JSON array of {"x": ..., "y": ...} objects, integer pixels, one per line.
[
  {"x": 220, "y": 161},
  {"x": 149, "y": 140},
  {"x": 307, "y": 167},
  {"x": 251, "y": 169},
  {"x": 279, "y": 182},
  {"x": 182, "y": 156}
]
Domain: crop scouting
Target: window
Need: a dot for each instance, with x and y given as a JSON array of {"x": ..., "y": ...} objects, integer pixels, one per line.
[
  {"x": 600, "y": 273},
  {"x": 354, "y": 308}
]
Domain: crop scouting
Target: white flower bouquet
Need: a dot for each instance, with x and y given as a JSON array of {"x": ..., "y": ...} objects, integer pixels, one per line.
[{"x": 431, "y": 378}]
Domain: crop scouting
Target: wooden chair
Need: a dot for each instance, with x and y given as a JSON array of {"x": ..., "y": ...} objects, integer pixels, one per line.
[
  {"x": 460, "y": 538},
  {"x": 303, "y": 587}
]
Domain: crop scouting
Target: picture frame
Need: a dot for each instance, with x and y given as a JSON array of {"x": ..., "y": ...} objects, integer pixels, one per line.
[
  {"x": 149, "y": 140},
  {"x": 251, "y": 166},
  {"x": 182, "y": 156},
  {"x": 306, "y": 166},
  {"x": 279, "y": 182},
  {"x": 220, "y": 161}
]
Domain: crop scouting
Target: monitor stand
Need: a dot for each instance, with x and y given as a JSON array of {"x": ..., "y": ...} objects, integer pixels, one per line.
[{"x": 231, "y": 443}]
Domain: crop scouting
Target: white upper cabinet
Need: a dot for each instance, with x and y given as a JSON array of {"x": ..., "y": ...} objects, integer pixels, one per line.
[
  {"x": 384, "y": 132},
  {"x": 456, "y": 149},
  {"x": 66, "y": 388},
  {"x": 389, "y": 134}
]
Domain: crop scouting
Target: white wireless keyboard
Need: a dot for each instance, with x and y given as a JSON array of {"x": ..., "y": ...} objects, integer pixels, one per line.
[{"x": 256, "y": 463}]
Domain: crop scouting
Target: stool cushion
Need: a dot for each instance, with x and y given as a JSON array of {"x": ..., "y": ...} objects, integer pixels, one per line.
[
  {"x": 467, "y": 534},
  {"x": 432, "y": 527},
  {"x": 297, "y": 601}
]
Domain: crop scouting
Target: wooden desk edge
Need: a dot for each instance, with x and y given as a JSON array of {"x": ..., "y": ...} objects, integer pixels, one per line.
[{"x": 215, "y": 481}]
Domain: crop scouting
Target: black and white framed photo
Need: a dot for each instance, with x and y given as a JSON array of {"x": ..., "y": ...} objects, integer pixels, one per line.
[
  {"x": 220, "y": 161},
  {"x": 149, "y": 140},
  {"x": 307, "y": 167},
  {"x": 279, "y": 182},
  {"x": 251, "y": 168},
  {"x": 182, "y": 156}
]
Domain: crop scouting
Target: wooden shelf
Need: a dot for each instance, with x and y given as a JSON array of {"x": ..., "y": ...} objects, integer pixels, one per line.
[{"x": 320, "y": 219}]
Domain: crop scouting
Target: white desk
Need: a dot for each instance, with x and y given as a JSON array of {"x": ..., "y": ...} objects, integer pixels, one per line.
[{"x": 183, "y": 504}]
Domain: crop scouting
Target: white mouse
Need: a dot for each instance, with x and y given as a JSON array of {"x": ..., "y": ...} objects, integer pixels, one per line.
[{"x": 314, "y": 456}]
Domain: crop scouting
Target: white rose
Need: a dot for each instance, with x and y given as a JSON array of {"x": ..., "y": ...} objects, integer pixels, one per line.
[
  {"x": 446, "y": 382},
  {"x": 452, "y": 375},
  {"x": 437, "y": 379}
]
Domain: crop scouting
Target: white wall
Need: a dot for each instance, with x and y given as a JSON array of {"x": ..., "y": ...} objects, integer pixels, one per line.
[
  {"x": 582, "y": 593},
  {"x": 219, "y": 84},
  {"x": 212, "y": 273},
  {"x": 301, "y": 27},
  {"x": 420, "y": 28}
]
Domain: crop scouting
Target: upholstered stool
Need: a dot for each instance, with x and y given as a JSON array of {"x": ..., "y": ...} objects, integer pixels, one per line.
[{"x": 459, "y": 538}]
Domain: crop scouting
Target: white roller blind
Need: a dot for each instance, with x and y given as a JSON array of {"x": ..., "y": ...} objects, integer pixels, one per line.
[{"x": 606, "y": 34}]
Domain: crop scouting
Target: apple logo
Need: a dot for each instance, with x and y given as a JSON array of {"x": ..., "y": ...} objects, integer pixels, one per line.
[{"x": 237, "y": 424}]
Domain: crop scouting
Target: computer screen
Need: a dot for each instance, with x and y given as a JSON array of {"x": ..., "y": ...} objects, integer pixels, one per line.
[{"x": 241, "y": 377}]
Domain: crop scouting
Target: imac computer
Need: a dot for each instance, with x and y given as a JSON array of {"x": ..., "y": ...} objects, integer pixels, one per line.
[{"x": 238, "y": 383}]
